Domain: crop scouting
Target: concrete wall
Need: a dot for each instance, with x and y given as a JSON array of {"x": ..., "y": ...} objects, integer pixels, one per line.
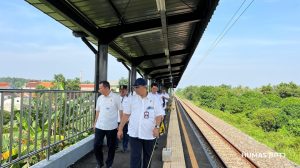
[{"x": 69, "y": 155}]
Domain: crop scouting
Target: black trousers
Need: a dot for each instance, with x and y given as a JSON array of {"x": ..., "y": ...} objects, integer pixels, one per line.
[
  {"x": 139, "y": 148},
  {"x": 125, "y": 137},
  {"x": 111, "y": 136}
]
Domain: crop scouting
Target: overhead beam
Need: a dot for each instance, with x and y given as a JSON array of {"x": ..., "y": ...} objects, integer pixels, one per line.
[
  {"x": 116, "y": 48},
  {"x": 91, "y": 47},
  {"x": 156, "y": 23},
  {"x": 138, "y": 60},
  {"x": 149, "y": 70},
  {"x": 168, "y": 77},
  {"x": 164, "y": 73},
  {"x": 165, "y": 76}
]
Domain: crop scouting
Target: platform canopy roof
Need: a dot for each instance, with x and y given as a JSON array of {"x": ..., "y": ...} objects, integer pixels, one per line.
[{"x": 159, "y": 37}]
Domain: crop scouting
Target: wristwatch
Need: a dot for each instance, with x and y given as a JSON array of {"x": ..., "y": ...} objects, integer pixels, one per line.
[{"x": 157, "y": 126}]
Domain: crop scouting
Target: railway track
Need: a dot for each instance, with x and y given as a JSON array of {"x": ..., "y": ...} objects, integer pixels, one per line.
[
  {"x": 225, "y": 150},
  {"x": 232, "y": 147}
]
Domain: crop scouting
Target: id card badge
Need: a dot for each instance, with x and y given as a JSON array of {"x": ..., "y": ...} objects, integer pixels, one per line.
[{"x": 146, "y": 114}]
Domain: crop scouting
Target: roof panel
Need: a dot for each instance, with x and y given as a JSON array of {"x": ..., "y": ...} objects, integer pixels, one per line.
[
  {"x": 178, "y": 6},
  {"x": 56, "y": 16},
  {"x": 102, "y": 18},
  {"x": 44, "y": 8},
  {"x": 34, "y": 1},
  {"x": 139, "y": 10},
  {"x": 186, "y": 21}
]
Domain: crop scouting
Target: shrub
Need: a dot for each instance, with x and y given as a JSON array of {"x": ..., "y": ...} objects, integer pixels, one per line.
[
  {"x": 285, "y": 90},
  {"x": 207, "y": 96},
  {"x": 270, "y": 101},
  {"x": 291, "y": 107},
  {"x": 234, "y": 106},
  {"x": 6, "y": 117},
  {"x": 294, "y": 127},
  {"x": 267, "y": 119}
]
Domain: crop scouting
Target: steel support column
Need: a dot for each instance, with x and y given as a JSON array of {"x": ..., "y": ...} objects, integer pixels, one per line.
[
  {"x": 129, "y": 73},
  {"x": 96, "y": 81},
  {"x": 103, "y": 55},
  {"x": 129, "y": 81},
  {"x": 146, "y": 79},
  {"x": 133, "y": 75}
]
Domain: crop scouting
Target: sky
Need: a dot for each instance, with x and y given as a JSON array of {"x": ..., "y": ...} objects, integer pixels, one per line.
[{"x": 262, "y": 47}]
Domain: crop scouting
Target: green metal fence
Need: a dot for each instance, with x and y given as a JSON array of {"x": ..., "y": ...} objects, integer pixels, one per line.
[{"x": 36, "y": 123}]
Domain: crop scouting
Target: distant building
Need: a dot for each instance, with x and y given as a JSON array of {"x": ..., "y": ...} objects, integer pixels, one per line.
[
  {"x": 114, "y": 86},
  {"x": 34, "y": 83},
  {"x": 47, "y": 85},
  {"x": 86, "y": 87},
  {"x": 7, "y": 98},
  {"x": 4, "y": 85},
  {"x": 8, "y": 104}
]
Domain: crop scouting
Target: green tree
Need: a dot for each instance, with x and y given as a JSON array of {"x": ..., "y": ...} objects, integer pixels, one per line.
[
  {"x": 207, "y": 96},
  {"x": 123, "y": 81},
  {"x": 267, "y": 119},
  {"x": 40, "y": 87},
  {"x": 234, "y": 105},
  {"x": 15, "y": 82},
  {"x": 72, "y": 84},
  {"x": 6, "y": 117},
  {"x": 294, "y": 126},
  {"x": 190, "y": 92},
  {"x": 266, "y": 89},
  {"x": 59, "y": 82},
  {"x": 287, "y": 90},
  {"x": 291, "y": 107}
]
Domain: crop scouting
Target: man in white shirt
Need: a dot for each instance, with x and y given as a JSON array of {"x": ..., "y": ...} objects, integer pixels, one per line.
[
  {"x": 145, "y": 117},
  {"x": 165, "y": 97},
  {"x": 124, "y": 97},
  {"x": 106, "y": 123},
  {"x": 154, "y": 89}
]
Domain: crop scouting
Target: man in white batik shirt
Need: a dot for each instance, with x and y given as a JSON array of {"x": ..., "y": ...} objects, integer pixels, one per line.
[
  {"x": 123, "y": 99},
  {"x": 165, "y": 98},
  {"x": 106, "y": 123},
  {"x": 145, "y": 117}
]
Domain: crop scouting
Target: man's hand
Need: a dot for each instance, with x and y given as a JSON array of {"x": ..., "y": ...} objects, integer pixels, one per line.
[
  {"x": 120, "y": 134},
  {"x": 156, "y": 132},
  {"x": 94, "y": 127}
]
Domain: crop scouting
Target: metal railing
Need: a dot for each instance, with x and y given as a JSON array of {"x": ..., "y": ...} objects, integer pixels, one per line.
[{"x": 37, "y": 123}]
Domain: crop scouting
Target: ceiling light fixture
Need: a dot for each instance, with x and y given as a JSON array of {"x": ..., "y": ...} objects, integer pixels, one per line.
[
  {"x": 161, "y": 5},
  {"x": 167, "y": 52},
  {"x": 79, "y": 34}
]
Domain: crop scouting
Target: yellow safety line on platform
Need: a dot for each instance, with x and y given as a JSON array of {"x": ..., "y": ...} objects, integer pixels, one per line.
[{"x": 187, "y": 141}]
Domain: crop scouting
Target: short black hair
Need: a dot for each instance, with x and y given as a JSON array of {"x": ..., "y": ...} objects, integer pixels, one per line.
[
  {"x": 154, "y": 84},
  {"x": 123, "y": 86},
  {"x": 105, "y": 84}
]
